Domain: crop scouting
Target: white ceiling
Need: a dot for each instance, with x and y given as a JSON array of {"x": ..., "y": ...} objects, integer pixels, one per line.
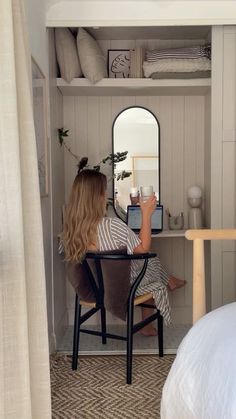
[{"x": 119, "y": 13}]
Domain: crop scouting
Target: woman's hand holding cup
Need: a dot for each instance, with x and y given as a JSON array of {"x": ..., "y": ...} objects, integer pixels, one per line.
[{"x": 148, "y": 206}]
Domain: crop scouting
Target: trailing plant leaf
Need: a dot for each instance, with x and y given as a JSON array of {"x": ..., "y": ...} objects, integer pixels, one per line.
[
  {"x": 61, "y": 134},
  {"x": 82, "y": 163},
  {"x": 122, "y": 175},
  {"x": 111, "y": 159},
  {"x": 97, "y": 168},
  {"x": 105, "y": 159}
]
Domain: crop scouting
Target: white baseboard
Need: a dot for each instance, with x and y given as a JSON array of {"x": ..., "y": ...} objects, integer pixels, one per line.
[
  {"x": 60, "y": 328},
  {"x": 52, "y": 343}
]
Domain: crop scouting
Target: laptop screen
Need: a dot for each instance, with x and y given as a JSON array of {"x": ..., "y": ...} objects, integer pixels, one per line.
[{"x": 134, "y": 217}]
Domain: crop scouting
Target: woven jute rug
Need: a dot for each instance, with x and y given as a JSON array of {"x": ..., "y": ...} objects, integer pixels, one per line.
[{"x": 98, "y": 389}]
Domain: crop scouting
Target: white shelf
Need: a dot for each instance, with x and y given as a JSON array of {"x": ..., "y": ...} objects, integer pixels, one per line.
[
  {"x": 169, "y": 233},
  {"x": 134, "y": 87}
]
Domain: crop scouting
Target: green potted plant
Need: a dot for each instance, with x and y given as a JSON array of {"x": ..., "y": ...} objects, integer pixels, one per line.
[{"x": 82, "y": 162}]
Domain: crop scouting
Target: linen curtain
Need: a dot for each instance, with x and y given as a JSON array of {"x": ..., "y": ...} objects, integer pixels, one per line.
[{"x": 24, "y": 357}]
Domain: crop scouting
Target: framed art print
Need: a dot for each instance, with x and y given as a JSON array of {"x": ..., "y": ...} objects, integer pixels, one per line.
[{"x": 118, "y": 61}]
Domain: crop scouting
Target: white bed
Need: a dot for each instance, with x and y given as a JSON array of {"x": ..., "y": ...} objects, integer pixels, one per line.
[{"x": 202, "y": 381}]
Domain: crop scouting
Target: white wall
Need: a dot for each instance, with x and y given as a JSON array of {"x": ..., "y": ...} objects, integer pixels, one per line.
[
  {"x": 39, "y": 50},
  {"x": 36, "y": 13},
  {"x": 39, "y": 46},
  {"x": 182, "y": 136},
  {"x": 58, "y": 194},
  {"x": 223, "y": 164}
]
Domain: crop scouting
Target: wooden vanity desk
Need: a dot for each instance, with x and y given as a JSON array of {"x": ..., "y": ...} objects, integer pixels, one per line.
[{"x": 169, "y": 234}]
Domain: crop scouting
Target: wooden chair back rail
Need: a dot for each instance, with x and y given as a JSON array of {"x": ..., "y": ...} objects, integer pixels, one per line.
[
  {"x": 138, "y": 300},
  {"x": 199, "y": 288}
]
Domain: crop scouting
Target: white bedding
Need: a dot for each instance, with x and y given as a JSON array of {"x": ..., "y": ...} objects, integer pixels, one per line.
[{"x": 202, "y": 381}]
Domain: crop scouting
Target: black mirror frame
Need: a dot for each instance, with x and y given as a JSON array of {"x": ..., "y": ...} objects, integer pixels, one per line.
[{"x": 113, "y": 151}]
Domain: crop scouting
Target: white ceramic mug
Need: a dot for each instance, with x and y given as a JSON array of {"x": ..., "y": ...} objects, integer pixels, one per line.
[
  {"x": 134, "y": 192},
  {"x": 146, "y": 192}
]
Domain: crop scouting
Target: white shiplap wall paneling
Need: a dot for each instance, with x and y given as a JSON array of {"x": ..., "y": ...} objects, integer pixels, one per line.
[
  {"x": 178, "y": 262},
  {"x": 105, "y": 46},
  {"x": 207, "y": 162},
  {"x": 188, "y": 271},
  {"x": 197, "y": 136},
  {"x": 223, "y": 159},
  {"x": 93, "y": 129},
  {"x": 181, "y": 118},
  {"x": 104, "y": 128},
  {"x": 193, "y": 144},
  {"x": 229, "y": 191},
  {"x": 176, "y": 166},
  {"x": 216, "y": 126},
  {"x": 70, "y": 123},
  {"x": 216, "y": 161},
  {"x": 129, "y": 101},
  {"x": 56, "y": 285},
  {"x": 207, "y": 250},
  {"x": 192, "y": 136},
  {"x": 172, "y": 253},
  {"x": 82, "y": 116},
  {"x": 141, "y": 101},
  {"x": 229, "y": 85},
  {"x": 164, "y": 113},
  {"x": 229, "y": 281},
  {"x": 229, "y": 130}
]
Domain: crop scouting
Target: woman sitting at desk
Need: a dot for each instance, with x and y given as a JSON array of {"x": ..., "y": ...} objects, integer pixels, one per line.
[{"x": 86, "y": 228}]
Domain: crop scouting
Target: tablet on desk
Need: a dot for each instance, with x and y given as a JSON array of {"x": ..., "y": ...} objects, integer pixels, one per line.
[{"x": 134, "y": 217}]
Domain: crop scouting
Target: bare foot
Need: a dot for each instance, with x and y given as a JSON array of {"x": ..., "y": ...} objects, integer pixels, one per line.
[
  {"x": 148, "y": 331},
  {"x": 175, "y": 283}
]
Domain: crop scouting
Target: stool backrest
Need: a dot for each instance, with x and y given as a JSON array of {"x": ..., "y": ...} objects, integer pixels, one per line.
[{"x": 104, "y": 277}]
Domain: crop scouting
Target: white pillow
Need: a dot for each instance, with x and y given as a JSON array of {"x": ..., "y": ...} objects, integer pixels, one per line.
[
  {"x": 92, "y": 60},
  {"x": 67, "y": 55}
]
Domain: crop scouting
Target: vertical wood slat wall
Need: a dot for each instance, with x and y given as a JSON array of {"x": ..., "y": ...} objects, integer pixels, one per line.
[
  {"x": 184, "y": 138},
  {"x": 223, "y": 187},
  {"x": 182, "y": 164}
]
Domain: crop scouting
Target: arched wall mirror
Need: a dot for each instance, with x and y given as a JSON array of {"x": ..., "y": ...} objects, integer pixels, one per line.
[{"x": 137, "y": 131}]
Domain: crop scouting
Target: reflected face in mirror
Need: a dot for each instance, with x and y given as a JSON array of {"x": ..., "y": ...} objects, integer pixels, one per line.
[{"x": 136, "y": 130}]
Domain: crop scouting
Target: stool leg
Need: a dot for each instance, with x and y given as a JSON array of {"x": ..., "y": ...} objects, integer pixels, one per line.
[
  {"x": 160, "y": 334},
  {"x": 130, "y": 320},
  {"x": 103, "y": 325},
  {"x": 76, "y": 334}
]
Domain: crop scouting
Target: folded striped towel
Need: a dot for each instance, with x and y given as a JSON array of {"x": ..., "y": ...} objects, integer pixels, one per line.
[
  {"x": 192, "y": 53},
  {"x": 176, "y": 65}
]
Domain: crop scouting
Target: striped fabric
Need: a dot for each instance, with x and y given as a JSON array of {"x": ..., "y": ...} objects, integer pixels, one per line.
[
  {"x": 172, "y": 65},
  {"x": 115, "y": 234},
  {"x": 192, "y": 53}
]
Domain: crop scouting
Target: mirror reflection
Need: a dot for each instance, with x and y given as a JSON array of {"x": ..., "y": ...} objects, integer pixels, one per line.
[{"x": 136, "y": 130}]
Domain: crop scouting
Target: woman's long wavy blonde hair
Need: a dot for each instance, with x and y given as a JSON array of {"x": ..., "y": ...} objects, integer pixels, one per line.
[{"x": 86, "y": 207}]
